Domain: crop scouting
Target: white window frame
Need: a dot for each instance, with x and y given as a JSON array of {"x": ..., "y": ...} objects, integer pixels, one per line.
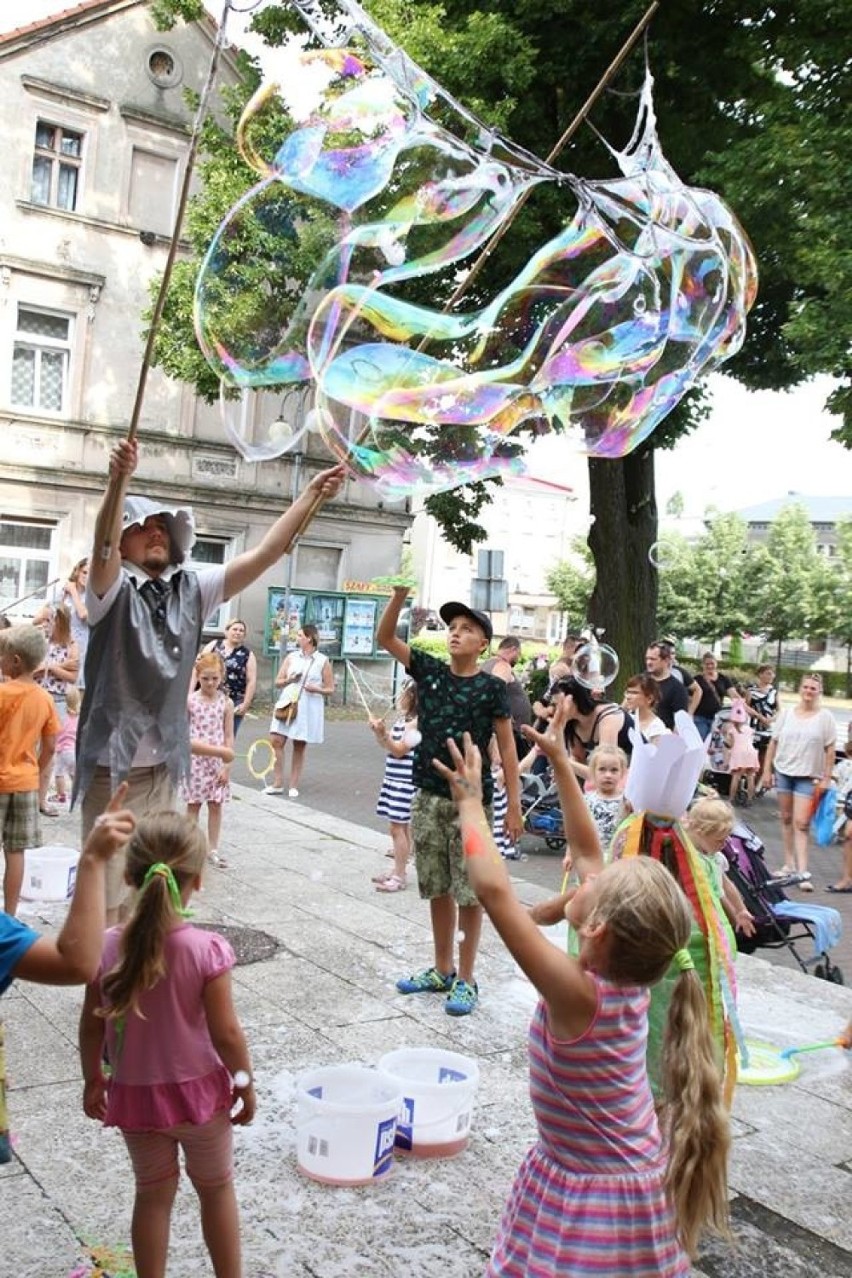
[
  {"x": 321, "y": 545},
  {"x": 27, "y": 555},
  {"x": 41, "y": 345},
  {"x": 58, "y": 160},
  {"x": 219, "y": 619}
]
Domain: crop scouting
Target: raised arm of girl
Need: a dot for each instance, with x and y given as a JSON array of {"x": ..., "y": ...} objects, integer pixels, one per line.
[
  {"x": 583, "y": 838},
  {"x": 634, "y": 923},
  {"x": 566, "y": 988}
]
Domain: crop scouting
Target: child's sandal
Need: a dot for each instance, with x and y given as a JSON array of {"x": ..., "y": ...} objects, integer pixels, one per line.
[{"x": 393, "y": 883}]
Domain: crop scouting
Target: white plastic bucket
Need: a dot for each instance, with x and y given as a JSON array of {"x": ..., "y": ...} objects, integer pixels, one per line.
[
  {"x": 49, "y": 873},
  {"x": 346, "y": 1124},
  {"x": 439, "y": 1090}
]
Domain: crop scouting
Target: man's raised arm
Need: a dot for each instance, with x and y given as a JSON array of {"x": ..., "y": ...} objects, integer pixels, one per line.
[{"x": 251, "y": 564}]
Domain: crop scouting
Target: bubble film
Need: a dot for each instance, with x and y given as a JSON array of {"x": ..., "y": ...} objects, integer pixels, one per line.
[
  {"x": 595, "y": 666},
  {"x": 395, "y": 188}
]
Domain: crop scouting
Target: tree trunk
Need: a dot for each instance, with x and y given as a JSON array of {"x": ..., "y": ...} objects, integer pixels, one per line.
[{"x": 624, "y": 601}]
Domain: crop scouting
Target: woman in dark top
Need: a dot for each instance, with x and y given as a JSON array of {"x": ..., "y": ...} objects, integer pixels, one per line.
[
  {"x": 714, "y": 686},
  {"x": 592, "y": 722},
  {"x": 240, "y": 668}
]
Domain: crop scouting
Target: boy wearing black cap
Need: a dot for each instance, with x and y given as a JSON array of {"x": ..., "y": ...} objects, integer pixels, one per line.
[{"x": 452, "y": 699}]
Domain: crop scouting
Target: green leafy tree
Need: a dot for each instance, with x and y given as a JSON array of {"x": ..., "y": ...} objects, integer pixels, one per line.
[
  {"x": 679, "y": 586},
  {"x": 751, "y": 102},
  {"x": 787, "y": 571},
  {"x": 572, "y": 581},
  {"x": 833, "y": 596},
  {"x": 675, "y": 505}
]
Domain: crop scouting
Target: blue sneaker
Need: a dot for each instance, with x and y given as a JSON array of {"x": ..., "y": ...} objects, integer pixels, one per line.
[
  {"x": 462, "y": 998},
  {"x": 431, "y": 981}
]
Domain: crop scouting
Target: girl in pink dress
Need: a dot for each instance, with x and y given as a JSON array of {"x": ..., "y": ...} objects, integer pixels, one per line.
[
  {"x": 608, "y": 1188},
  {"x": 743, "y": 759},
  {"x": 179, "y": 1065},
  {"x": 211, "y": 732}
]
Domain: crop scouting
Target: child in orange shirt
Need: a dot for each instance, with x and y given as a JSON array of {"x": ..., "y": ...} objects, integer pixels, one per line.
[{"x": 28, "y": 727}]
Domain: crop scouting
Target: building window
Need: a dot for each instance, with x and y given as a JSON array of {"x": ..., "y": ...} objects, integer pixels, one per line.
[
  {"x": 318, "y": 567},
  {"x": 207, "y": 553},
  {"x": 164, "y": 67},
  {"x": 25, "y": 558},
  {"x": 56, "y": 166},
  {"x": 153, "y": 184},
  {"x": 40, "y": 360}
]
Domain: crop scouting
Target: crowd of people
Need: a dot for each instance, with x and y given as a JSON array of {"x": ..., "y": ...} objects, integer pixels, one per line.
[{"x": 632, "y": 1042}]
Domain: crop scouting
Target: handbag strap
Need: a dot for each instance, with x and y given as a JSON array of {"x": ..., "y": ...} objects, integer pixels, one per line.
[{"x": 305, "y": 676}]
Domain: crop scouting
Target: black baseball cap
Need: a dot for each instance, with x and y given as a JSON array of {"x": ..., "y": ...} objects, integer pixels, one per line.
[{"x": 448, "y": 611}]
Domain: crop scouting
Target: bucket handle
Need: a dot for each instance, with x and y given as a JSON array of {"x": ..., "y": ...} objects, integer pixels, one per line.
[{"x": 434, "y": 1122}]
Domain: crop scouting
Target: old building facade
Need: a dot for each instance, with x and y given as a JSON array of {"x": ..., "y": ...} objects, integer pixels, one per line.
[{"x": 97, "y": 131}]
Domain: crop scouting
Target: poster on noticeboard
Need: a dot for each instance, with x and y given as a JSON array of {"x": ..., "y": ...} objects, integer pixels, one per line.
[
  {"x": 326, "y": 612},
  {"x": 359, "y": 629},
  {"x": 284, "y": 617}
]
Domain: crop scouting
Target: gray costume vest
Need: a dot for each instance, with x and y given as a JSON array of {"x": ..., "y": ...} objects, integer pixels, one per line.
[{"x": 137, "y": 677}]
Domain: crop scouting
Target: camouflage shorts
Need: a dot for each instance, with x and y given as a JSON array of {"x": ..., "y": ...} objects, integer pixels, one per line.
[{"x": 438, "y": 849}]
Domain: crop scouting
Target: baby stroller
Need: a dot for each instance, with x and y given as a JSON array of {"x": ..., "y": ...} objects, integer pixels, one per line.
[
  {"x": 541, "y": 811},
  {"x": 780, "y": 923}
]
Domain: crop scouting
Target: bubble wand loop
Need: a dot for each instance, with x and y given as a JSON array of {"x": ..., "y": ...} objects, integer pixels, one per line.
[
  {"x": 465, "y": 284},
  {"x": 117, "y": 493}
]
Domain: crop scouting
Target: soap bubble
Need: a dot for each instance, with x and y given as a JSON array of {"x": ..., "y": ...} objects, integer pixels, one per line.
[
  {"x": 370, "y": 169},
  {"x": 595, "y": 666},
  {"x": 260, "y": 431},
  {"x": 662, "y": 554},
  {"x": 412, "y": 738}
]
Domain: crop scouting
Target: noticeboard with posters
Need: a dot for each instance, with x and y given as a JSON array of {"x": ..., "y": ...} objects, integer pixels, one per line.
[
  {"x": 346, "y": 621},
  {"x": 287, "y": 611}
]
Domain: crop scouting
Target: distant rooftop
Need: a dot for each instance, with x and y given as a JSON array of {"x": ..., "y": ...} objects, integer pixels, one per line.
[{"x": 820, "y": 510}]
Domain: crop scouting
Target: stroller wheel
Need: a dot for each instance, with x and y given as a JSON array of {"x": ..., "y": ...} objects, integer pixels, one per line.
[
  {"x": 834, "y": 975},
  {"x": 555, "y": 845},
  {"x": 820, "y": 973}
]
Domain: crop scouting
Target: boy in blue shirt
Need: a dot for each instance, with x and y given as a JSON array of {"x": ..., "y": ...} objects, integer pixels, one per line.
[{"x": 452, "y": 699}]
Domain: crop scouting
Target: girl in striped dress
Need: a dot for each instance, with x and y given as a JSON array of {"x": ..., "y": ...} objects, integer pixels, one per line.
[
  {"x": 607, "y": 1189},
  {"x": 397, "y": 790}
]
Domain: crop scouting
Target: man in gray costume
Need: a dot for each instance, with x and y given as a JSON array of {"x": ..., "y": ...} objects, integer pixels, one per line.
[{"x": 146, "y": 615}]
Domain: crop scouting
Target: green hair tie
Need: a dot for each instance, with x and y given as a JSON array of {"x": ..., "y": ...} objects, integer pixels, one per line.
[
  {"x": 683, "y": 961},
  {"x": 163, "y": 871}
]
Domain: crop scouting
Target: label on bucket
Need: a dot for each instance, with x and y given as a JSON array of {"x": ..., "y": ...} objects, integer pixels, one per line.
[
  {"x": 315, "y": 1091},
  {"x": 446, "y": 1075},
  {"x": 405, "y": 1124},
  {"x": 385, "y": 1134},
  {"x": 72, "y": 880}
]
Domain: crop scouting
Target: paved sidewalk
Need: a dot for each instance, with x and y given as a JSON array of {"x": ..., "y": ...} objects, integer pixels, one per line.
[{"x": 326, "y": 995}]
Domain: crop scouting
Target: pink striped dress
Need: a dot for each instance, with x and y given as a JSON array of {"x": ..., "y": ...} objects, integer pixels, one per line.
[{"x": 589, "y": 1197}]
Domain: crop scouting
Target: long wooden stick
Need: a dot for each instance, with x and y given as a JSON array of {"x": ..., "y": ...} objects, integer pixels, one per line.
[
  {"x": 489, "y": 248},
  {"x": 116, "y": 495}
]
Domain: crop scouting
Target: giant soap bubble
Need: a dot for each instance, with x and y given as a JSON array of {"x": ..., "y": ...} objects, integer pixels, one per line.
[{"x": 366, "y": 164}]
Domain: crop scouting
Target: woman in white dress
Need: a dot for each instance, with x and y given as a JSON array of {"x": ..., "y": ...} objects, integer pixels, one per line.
[{"x": 309, "y": 672}]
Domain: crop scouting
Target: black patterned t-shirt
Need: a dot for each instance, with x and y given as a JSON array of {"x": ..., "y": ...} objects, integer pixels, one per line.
[{"x": 449, "y": 705}]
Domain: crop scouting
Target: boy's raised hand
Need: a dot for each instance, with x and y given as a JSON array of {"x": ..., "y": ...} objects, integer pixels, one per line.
[
  {"x": 465, "y": 777},
  {"x": 112, "y": 828},
  {"x": 552, "y": 741}
]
